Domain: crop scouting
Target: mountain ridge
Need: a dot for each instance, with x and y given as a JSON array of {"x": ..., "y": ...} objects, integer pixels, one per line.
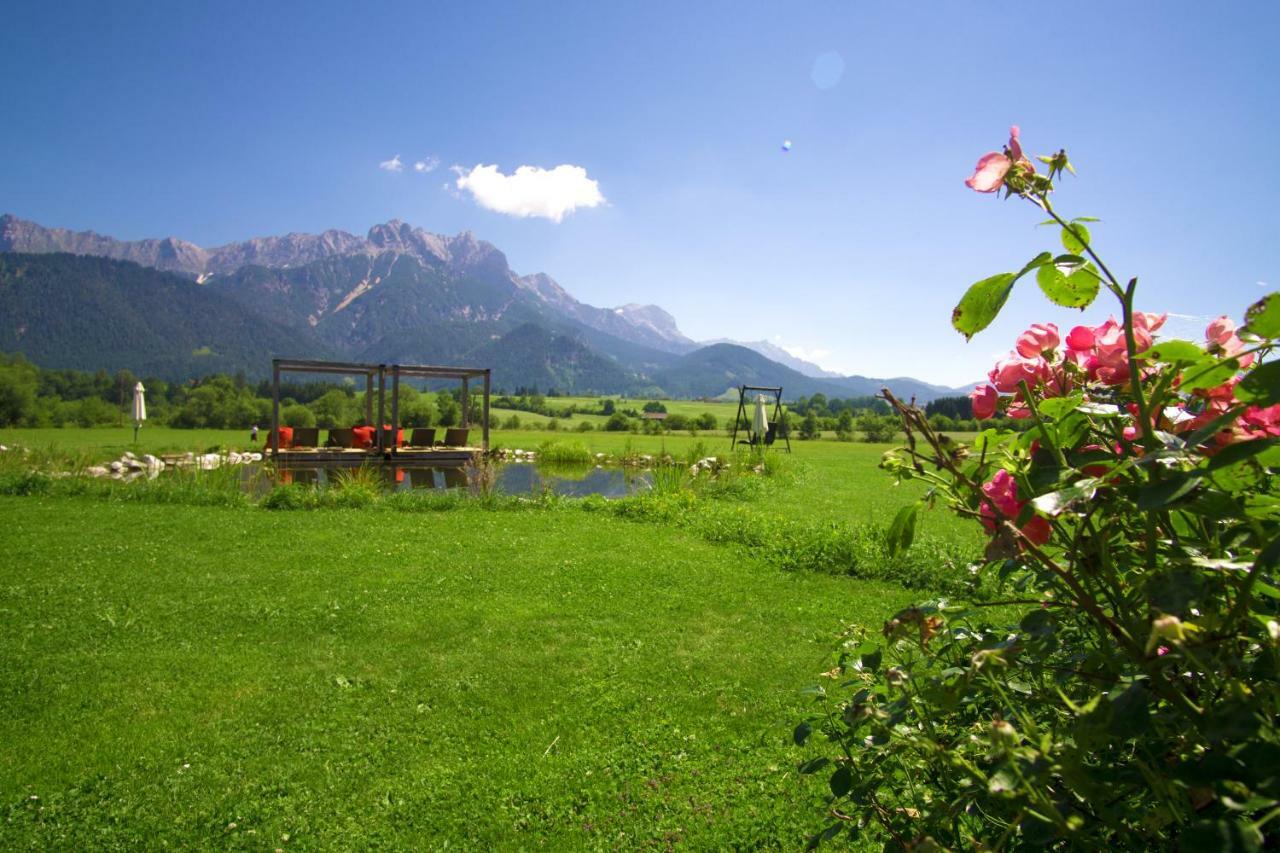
[{"x": 403, "y": 293}]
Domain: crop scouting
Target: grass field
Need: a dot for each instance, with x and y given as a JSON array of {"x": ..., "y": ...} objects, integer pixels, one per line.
[
  {"x": 543, "y": 677},
  {"x": 236, "y": 678}
]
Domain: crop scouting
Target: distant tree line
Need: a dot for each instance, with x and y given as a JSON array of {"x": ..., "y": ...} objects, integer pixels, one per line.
[{"x": 38, "y": 397}]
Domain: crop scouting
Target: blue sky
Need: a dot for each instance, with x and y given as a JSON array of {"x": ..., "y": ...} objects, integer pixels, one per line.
[{"x": 217, "y": 124}]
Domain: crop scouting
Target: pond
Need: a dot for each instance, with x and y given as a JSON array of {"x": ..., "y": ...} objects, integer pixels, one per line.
[{"x": 510, "y": 478}]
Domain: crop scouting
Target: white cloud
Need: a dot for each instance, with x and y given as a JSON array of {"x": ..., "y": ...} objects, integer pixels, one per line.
[
  {"x": 815, "y": 355},
  {"x": 1263, "y": 284},
  {"x": 427, "y": 165},
  {"x": 530, "y": 190},
  {"x": 392, "y": 165}
]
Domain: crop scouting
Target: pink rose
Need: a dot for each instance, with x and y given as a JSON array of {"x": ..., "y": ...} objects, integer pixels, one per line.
[
  {"x": 1008, "y": 372},
  {"x": 1080, "y": 339},
  {"x": 1221, "y": 335},
  {"x": 1037, "y": 529},
  {"x": 988, "y": 176},
  {"x": 1036, "y": 340},
  {"x": 983, "y": 399},
  {"x": 1257, "y": 422},
  {"x": 1002, "y": 502},
  {"x": 1015, "y": 147},
  {"x": 1002, "y": 491},
  {"x": 1148, "y": 321}
]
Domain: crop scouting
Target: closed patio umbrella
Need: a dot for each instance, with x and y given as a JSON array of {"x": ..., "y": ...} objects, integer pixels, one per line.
[
  {"x": 760, "y": 423},
  {"x": 139, "y": 409}
]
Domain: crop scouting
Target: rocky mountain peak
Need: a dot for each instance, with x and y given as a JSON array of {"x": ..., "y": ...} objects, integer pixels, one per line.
[{"x": 653, "y": 318}]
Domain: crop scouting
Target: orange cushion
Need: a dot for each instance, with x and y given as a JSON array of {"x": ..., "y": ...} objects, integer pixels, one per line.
[
  {"x": 286, "y": 436},
  {"x": 364, "y": 436}
]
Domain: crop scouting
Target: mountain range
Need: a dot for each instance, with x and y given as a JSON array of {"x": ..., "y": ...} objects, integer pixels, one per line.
[{"x": 171, "y": 308}]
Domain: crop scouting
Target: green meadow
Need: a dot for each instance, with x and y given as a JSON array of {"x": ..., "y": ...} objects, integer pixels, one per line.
[{"x": 421, "y": 672}]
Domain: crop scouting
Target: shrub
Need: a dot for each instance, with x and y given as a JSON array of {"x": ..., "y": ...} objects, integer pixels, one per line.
[
  {"x": 617, "y": 422},
  {"x": 877, "y": 429},
  {"x": 809, "y": 428},
  {"x": 1121, "y": 692},
  {"x": 297, "y": 416}
]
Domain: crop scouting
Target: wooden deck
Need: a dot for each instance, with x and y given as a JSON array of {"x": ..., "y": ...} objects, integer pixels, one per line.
[{"x": 400, "y": 456}]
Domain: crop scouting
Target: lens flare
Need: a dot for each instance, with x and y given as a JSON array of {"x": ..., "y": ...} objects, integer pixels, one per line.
[{"x": 786, "y": 145}]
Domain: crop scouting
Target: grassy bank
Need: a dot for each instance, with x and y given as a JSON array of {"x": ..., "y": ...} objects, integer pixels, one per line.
[{"x": 214, "y": 677}]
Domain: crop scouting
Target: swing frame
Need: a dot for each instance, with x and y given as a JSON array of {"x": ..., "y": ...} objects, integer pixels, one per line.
[{"x": 776, "y": 391}]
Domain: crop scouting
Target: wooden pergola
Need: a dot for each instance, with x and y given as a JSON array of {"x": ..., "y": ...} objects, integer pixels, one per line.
[{"x": 381, "y": 372}]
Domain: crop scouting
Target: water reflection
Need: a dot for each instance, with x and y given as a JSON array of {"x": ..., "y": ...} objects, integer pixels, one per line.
[{"x": 512, "y": 478}]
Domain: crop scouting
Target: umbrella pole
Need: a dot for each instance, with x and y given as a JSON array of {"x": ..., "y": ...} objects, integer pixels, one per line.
[{"x": 136, "y": 426}]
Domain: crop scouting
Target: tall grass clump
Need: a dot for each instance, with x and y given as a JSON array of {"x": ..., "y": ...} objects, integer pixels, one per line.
[
  {"x": 569, "y": 453},
  {"x": 669, "y": 479}
]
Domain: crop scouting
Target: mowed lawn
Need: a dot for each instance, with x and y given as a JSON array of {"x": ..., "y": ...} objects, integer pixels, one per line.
[{"x": 197, "y": 677}]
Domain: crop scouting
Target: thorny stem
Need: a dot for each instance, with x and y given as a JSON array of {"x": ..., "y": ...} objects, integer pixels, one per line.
[
  {"x": 1125, "y": 296},
  {"x": 912, "y": 416}
]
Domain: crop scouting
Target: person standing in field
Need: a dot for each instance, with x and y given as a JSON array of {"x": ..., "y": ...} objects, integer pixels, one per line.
[{"x": 253, "y": 434}]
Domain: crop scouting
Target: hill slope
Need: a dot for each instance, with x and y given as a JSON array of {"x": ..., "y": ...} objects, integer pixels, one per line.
[{"x": 91, "y": 313}]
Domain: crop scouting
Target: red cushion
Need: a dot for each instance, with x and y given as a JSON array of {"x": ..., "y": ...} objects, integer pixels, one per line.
[
  {"x": 364, "y": 436},
  {"x": 286, "y": 436}
]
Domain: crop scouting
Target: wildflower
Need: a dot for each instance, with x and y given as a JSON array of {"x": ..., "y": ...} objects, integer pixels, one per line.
[{"x": 992, "y": 169}]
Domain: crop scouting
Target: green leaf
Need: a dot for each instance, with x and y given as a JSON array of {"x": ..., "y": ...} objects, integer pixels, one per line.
[
  {"x": 1172, "y": 351},
  {"x": 1234, "y": 454},
  {"x": 1067, "y": 285},
  {"x": 1086, "y": 219},
  {"x": 1075, "y": 243},
  {"x": 1054, "y": 503},
  {"x": 902, "y": 532},
  {"x": 871, "y": 660},
  {"x": 1059, "y": 407},
  {"x": 801, "y": 734},
  {"x": 981, "y": 303},
  {"x": 1261, "y": 386},
  {"x": 1164, "y": 492},
  {"x": 1208, "y": 372},
  {"x": 984, "y": 299},
  {"x": 841, "y": 781},
  {"x": 1129, "y": 711},
  {"x": 1263, "y": 317},
  {"x": 1220, "y": 836},
  {"x": 813, "y": 765}
]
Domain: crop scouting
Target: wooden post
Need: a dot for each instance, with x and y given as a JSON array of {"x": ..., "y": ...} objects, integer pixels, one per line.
[
  {"x": 486, "y": 411},
  {"x": 275, "y": 411},
  {"x": 382, "y": 405},
  {"x": 395, "y": 404},
  {"x": 368, "y": 398},
  {"x": 742, "y": 395},
  {"x": 465, "y": 420}
]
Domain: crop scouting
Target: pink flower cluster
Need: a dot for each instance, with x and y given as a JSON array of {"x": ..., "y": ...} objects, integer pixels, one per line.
[
  {"x": 1002, "y": 502},
  {"x": 1052, "y": 366},
  {"x": 1101, "y": 351},
  {"x": 993, "y": 167}
]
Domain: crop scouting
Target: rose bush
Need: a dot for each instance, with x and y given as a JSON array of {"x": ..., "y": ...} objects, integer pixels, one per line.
[{"x": 1117, "y": 682}]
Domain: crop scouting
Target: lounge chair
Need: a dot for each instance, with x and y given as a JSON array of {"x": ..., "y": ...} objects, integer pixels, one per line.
[
  {"x": 306, "y": 437},
  {"x": 341, "y": 438},
  {"x": 392, "y": 438},
  {"x": 422, "y": 437},
  {"x": 456, "y": 437}
]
